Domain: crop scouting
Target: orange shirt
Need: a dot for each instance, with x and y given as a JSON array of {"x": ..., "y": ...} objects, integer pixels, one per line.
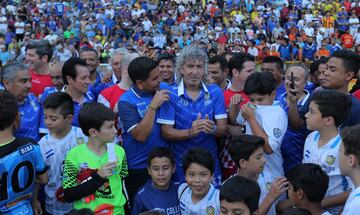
[
  {"x": 328, "y": 22},
  {"x": 347, "y": 40},
  {"x": 323, "y": 53},
  {"x": 274, "y": 53}
]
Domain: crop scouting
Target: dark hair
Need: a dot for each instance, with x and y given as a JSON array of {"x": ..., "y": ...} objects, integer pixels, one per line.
[
  {"x": 296, "y": 211},
  {"x": 140, "y": 68},
  {"x": 350, "y": 138},
  {"x": 350, "y": 60},
  {"x": 165, "y": 56},
  {"x": 199, "y": 156},
  {"x": 84, "y": 211},
  {"x": 332, "y": 103},
  {"x": 8, "y": 109},
  {"x": 42, "y": 48},
  {"x": 311, "y": 179},
  {"x": 160, "y": 152},
  {"x": 69, "y": 68},
  {"x": 244, "y": 146},
  {"x": 61, "y": 101},
  {"x": 274, "y": 59},
  {"x": 86, "y": 49},
  {"x": 221, "y": 60},
  {"x": 240, "y": 189},
  {"x": 93, "y": 115},
  {"x": 315, "y": 65},
  {"x": 237, "y": 61},
  {"x": 262, "y": 83}
]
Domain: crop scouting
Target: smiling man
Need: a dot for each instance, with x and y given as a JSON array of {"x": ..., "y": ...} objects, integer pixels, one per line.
[{"x": 195, "y": 113}]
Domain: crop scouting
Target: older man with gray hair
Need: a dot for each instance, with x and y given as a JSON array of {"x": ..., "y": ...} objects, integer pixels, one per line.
[
  {"x": 195, "y": 113},
  {"x": 110, "y": 96},
  {"x": 16, "y": 79}
]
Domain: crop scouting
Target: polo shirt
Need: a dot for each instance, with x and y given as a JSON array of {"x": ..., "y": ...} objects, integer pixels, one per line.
[
  {"x": 293, "y": 142},
  {"x": 180, "y": 111},
  {"x": 30, "y": 116},
  {"x": 285, "y": 52},
  {"x": 132, "y": 107},
  {"x": 309, "y": 51}
]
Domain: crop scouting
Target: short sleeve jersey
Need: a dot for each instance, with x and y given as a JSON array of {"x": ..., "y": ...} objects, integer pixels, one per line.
[
  {"x": 54, "y": 151},
  {"x": 327, "y": 157},
  {"x": 80, "y": 163},
  {"x": 30, "y": 117},
  {"x": 20, "y": 163},
  {"x": 352, "y": 205},
  {"x": 180, "y": 111},
  {"x": 210, "y": 204},
  {"x": 149, "y": 198},
  {"x": 274, "y": 121}
]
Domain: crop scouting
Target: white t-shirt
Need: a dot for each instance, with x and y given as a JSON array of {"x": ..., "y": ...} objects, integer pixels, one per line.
[
  {"x": 253, "y": 51},
  {"x": 210, "y": 204},
  {"x": 54, "y": 152},
  {"x": 265, "y": 180},
  {"x": 274, "y": 121},
  {"x": 147, "y": 25},
  {"x": 352, "y": 24},
  {"x": 328, "y": 158},
  {"x": 352, "y": 205},
  {"x": 19, "y": 27}
]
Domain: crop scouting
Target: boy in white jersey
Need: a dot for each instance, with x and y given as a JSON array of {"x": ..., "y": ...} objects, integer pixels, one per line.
[
  {"x": 350, "y": 166},
  {"x": 198, "y": 195},
  {"x": 327, "y": 110},
  {"x": 239, "y": 195},
  {"x": 248, "y": 154},
  {"x": 264, "y": 119},
  {"x": 308, "y": 185},
  {"x": 58, "y": 115}
]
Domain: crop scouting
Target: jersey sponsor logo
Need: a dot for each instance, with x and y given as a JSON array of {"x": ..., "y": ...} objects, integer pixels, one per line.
[
  {"x": 330, "y": 160},
  {"x": 104, "y": 209},
  {"x": 26, "y": 149},
  {"x": 210, "y": 210},
  {"x": 183, "y": 102},
  {"x": 277, "y": 132}
]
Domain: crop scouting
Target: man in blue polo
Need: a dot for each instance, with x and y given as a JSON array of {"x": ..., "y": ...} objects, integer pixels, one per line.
[
  {"x": 17, "y": 80},
  {"x": 309, "y": 50},
  {"x": 137, "y": 117},
  {"x": 195, "y": 113}
]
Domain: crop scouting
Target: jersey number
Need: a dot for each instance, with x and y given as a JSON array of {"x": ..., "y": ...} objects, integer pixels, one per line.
[{"x": 15, "y": 180}]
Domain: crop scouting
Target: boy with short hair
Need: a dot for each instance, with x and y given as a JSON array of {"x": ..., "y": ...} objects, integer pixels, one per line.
[
  {"x": 198, "y": 195},
  {"x": 58, "y": 115},
  {"x": 248, "y": 154},
  {"x": 263, "y": 118},
  {"x": 327, "y": 111},
  {"x": 159, "y": 193},
  {"x": 93, "y": 171},
  {"x": 350, "y": 165},
  {"x": 20, "y": 162},
  {"x": 239, "y": 195},
  {"x": 308, "y": 185}
]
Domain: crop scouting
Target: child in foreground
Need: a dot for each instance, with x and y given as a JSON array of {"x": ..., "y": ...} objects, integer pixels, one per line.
[{"x": 93, "y": 171}]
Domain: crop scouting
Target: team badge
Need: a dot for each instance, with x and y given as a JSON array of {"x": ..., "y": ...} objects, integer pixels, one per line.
[
  {"x": 330, "y": 160},
  {"x": 80, "y": 140},
  {"x": 210, "y": 210},
  {"x": 183, "y": 102},
  {"x": 268, "y": 185},
  {"x": 277, "y": 132}
]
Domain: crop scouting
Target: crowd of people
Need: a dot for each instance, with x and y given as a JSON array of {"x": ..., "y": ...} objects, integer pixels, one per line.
[{"x": 158, "y": 107}]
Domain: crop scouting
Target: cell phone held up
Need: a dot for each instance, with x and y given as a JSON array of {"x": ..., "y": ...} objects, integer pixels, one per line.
[{"x": 292, "y": 84}]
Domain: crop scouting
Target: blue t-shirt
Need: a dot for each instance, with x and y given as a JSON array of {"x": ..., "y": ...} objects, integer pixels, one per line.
[
  {"x": 293, "y": 143},
  {"x": 30, "y": 117},
  {"x": 285, "y": 52},
  {"x": 180, "y": 111},
  {"x": 132, "y": 107},
  {"x": 20, "y": 163},
  {"x": 354, "y": 115},
  {"x": 149, "y": 198},
  {"x": 309, "y": 51}
]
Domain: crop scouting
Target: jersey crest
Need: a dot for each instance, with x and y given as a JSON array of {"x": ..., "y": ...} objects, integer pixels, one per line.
[
  {"x": 277, "y": 132},
  {"x": 330, "y": 160},
  {"x": 210, "y": 210}
]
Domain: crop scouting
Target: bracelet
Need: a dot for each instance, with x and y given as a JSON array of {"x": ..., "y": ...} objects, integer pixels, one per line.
[{"x": 151, "y": 107}]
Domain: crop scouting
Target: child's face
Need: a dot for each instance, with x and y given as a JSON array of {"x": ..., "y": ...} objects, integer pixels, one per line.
[
  {"x": 233, "y": 208},
  {"x": 258, "y": 99},
  {"x": 161, "y": 170},
  {"x": 255, "y": 164},
  {"x": 107, "y": 132},
  {"x": 314, "y": 120},
  {"x": 198, "y": 179},
  {"x": 55, "y": 121}
]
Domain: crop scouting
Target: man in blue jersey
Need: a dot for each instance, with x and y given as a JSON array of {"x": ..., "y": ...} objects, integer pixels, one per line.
[
  {"x": 21, "y": 162},
  {"x": 75, "y": 75},
  {"x": 137, "y": 116},
  {"x": 309, "y": 50},
  {"x": 17, "y": 80},
  {"x": 285, "y": 49},
  {"x": 195, "y": 113}
]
